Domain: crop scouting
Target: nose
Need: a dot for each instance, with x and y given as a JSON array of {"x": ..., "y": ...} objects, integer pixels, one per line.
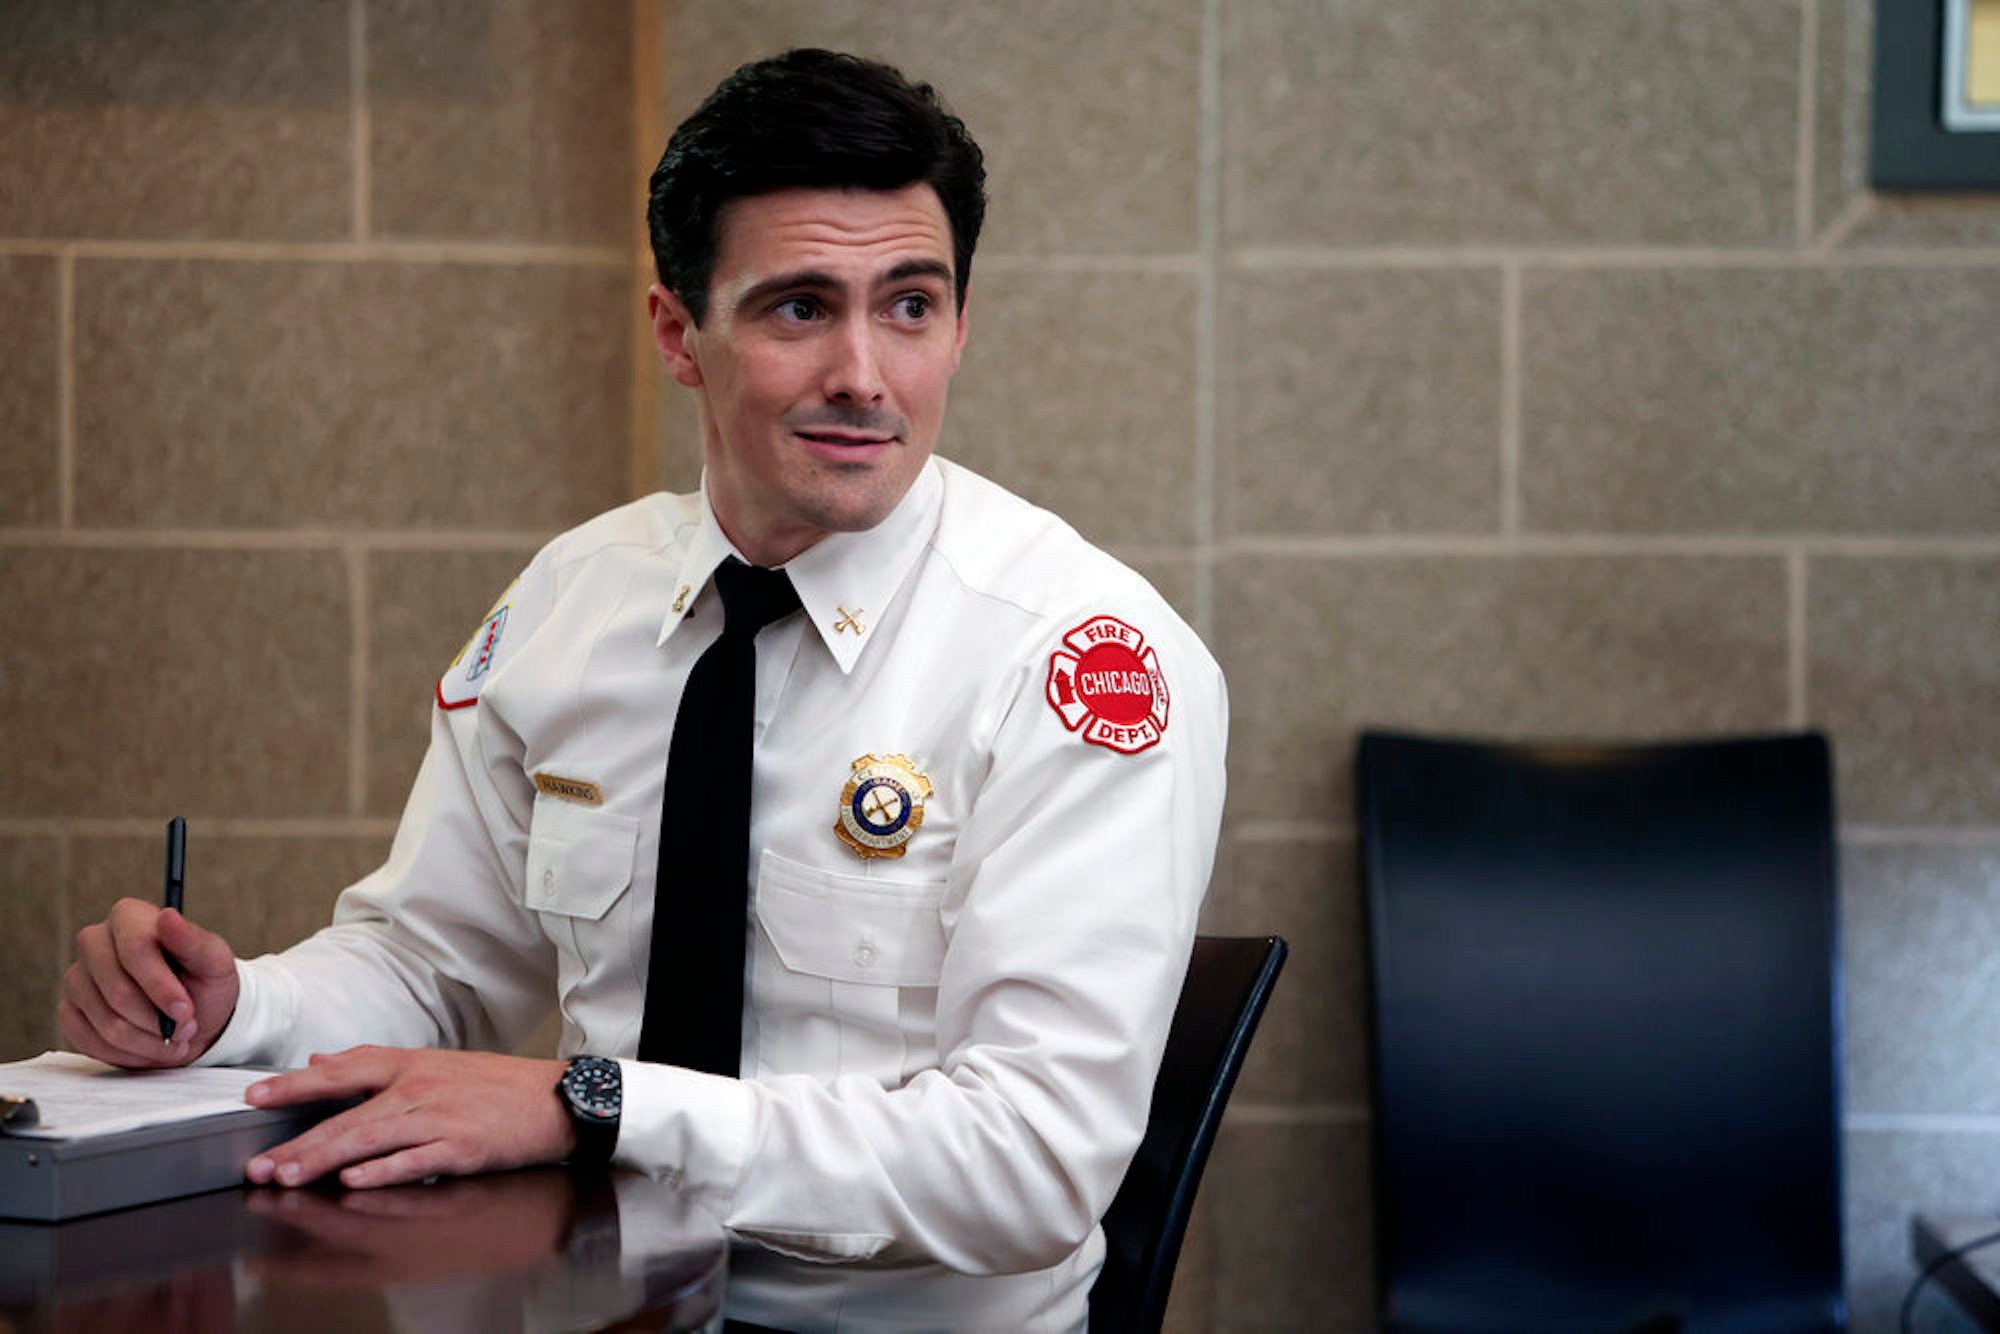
[{"x": 854, "y": 368}]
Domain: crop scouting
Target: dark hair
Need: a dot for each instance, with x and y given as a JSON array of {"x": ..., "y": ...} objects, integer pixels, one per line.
[{"x": 807, "y": 119}]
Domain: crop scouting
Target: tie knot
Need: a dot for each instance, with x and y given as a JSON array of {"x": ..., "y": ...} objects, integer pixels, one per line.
[{"x": 752, "y": 597}]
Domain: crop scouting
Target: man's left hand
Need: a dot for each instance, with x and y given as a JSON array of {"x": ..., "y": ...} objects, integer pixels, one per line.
[{"x": 429, "y": 1113}]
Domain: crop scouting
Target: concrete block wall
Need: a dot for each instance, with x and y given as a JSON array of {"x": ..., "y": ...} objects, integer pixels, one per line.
[
  {"x": 1528, "y": 368},
  {"x": 315, "y": 321},
  {"x": 1539, "y": 368}
]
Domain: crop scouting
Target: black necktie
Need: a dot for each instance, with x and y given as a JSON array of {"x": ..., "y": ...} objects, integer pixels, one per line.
[{"x": 694, "y": 984}]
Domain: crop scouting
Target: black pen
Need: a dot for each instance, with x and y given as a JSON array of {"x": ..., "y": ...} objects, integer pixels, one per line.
[{"x": 177, "y": 842}]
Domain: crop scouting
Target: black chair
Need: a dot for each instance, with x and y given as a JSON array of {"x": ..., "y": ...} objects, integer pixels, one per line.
[
  {"x": 1228, "y": 982},
  {"x": 1606, "y": 1027}
]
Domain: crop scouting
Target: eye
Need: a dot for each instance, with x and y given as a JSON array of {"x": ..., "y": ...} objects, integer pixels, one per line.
[
  {"x": 797, "y": 309},
  {"x": 912, "y": 306}
]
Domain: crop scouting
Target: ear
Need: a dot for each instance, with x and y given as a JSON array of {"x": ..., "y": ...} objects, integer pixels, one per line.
[{"x": 674, "y": 333}]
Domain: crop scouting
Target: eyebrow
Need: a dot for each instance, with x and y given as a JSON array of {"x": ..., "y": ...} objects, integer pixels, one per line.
[
  {"x": 819, "y": 280},
  {"x": 920, "y": 268}
]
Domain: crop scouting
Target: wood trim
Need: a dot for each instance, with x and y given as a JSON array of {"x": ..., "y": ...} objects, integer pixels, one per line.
[{"x": 648, "y": 79}]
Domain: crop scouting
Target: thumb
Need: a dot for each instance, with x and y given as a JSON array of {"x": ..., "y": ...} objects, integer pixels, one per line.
[{"x": 201, "y": 954}]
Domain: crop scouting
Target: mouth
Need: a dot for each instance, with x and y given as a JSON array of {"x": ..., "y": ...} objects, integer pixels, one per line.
[
  {"x": 834, "y": 445},
  {"x": 846, "y": 439}
]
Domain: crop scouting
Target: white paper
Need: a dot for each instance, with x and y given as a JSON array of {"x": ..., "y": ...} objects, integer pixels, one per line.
[{"x": 77, "y": 1097}]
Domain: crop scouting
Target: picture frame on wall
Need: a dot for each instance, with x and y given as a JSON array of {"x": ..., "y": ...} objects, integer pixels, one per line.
[{"x": 1937, "y": 96}]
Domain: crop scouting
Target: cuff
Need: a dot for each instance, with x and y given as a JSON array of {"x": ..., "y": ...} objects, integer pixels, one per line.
[
  {"x": 690, "y": 1130},
  {"x": 261, "y": 1016}
]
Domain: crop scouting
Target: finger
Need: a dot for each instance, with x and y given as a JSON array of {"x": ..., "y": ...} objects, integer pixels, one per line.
[
  {"x": 200, "y": 952},
  {"x": 359, "y": 1070},
  {"x": 262, "y": 1170},
  {"x": 80, "y": 993},
  {"x": 279, "y": 1164},
  {"x": 359, "y": 1133},
  {"x": 78, "y": 1031},
  {"x": 304, "y": 1162},
  {"x": 97, "y": 950},
  {"x": 83, "y": 1038},
  {"x": 100, "y": 1031},
  {"x": 415, "y": 1163},
  {"x": 136, "y": 935}
]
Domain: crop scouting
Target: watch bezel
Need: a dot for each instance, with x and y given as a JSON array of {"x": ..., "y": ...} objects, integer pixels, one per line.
[{"x": 594, "y": 1088}]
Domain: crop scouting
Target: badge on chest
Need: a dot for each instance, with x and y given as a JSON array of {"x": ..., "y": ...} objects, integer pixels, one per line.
[{"x": 882, "y": 805}]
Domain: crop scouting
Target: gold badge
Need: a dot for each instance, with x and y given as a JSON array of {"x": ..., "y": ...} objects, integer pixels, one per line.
[
  {"x": 882, "y": 806},
  {"x": 570, "y": 789}
]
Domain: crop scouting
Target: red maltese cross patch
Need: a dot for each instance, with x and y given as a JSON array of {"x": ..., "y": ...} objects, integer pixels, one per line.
[{"x": 1105, "y": 681}]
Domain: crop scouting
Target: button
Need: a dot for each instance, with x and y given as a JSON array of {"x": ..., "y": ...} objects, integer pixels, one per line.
[
  {"x": 864, "y": 954},
  {"x": 548, "y": 882}
]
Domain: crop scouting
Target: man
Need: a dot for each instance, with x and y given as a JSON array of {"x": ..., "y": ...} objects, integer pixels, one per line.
[{"x": 986, "y": 786}]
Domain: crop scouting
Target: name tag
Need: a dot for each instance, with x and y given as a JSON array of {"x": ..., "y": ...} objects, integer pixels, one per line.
[{"x": 569, "y": 789}]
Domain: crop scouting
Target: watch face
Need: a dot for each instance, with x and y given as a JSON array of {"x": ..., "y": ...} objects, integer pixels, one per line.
[{"x": 593, "y": 1088}]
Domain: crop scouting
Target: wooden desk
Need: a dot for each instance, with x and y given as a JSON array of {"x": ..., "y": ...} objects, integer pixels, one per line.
[{"x": 540, "y": 1249}]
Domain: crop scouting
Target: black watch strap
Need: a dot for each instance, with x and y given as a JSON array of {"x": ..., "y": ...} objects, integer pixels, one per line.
[{"x": 592, "y": 1091}]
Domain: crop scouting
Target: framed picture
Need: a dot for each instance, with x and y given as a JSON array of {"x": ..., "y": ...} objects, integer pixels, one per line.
[{"x": 1937, "y": 95}]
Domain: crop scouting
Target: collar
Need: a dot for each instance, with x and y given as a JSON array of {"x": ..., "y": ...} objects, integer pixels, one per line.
[{"x": 845, "y": 581}]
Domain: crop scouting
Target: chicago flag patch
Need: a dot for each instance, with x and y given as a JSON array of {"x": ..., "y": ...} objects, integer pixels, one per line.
[
  {"x": 462, "y": 680},
  {"x": 1106, "y": 682}
]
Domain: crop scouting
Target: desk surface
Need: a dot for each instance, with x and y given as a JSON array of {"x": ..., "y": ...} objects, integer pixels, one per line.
[{"x": 539, "y": 1249}]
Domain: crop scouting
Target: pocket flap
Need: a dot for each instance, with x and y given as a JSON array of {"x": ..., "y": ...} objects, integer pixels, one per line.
[
  {"x": 851, "y": 928},
  {"x": 579, "y": 859}
]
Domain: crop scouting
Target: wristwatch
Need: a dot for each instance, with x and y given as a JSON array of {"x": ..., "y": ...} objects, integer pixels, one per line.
[{"x": 593, "y": 1093}]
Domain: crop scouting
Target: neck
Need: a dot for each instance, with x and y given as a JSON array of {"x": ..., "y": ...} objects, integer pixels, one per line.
[{"x": 768, "y": 550}]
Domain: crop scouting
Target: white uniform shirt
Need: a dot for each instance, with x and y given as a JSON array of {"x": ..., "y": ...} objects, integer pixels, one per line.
[{"x": 948, "y": 1055}]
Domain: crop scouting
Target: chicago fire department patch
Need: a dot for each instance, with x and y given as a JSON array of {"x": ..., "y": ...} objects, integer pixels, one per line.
[{"x": 1105, "y": 681}]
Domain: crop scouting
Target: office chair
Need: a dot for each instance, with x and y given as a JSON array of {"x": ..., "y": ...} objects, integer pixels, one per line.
[
  {"x": 1605, "y": 1034},
  {"x": 1229, "y": 980}
]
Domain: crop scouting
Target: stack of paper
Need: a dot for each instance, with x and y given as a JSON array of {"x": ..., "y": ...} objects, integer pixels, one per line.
[{"x": 75, "y": 1096}]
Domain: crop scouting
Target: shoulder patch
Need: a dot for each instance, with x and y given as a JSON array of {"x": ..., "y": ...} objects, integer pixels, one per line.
[
  {"x": 461, "y": 682},
  {"x": 1106, "y": 682}
]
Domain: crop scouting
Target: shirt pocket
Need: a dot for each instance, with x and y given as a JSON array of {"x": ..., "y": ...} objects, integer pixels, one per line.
[
  {"x": 579, "y": 859},
  {"x": 846, "y": 972},
  {"x": 851, "y": 928},
  {"x": 579, "y": 870}
]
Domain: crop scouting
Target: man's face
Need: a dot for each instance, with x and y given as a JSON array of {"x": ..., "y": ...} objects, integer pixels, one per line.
[{"x": 822, "y": 370}]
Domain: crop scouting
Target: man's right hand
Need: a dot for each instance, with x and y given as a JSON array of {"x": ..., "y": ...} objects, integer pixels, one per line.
[{"x": 121, "y": 982}]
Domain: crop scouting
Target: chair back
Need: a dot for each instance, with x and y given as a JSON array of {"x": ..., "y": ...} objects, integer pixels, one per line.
[
  {"x": 1229, "y": 980},
  {"x": 1605, "y": 1026}
]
